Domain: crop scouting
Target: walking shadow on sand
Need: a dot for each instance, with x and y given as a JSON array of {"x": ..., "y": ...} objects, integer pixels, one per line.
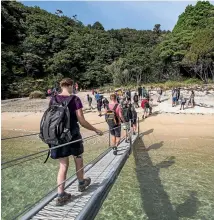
[{"x": 155, "y": 200}]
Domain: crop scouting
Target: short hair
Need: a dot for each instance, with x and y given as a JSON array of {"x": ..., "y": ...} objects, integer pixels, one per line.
[
  {"x": 113, "y": 97},
  {"x": 66, "y": 82}
]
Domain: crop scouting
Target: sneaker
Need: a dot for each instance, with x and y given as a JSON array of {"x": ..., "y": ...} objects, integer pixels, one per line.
[
  {"x": 134, "y": 133},
  {"x": 115, "y": 150},
  {"x": 83, "y": 186},
  {"x": 62, "y": 200}
]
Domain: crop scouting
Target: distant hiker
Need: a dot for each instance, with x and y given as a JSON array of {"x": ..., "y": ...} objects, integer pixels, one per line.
[
  {"x": 183, "y": 101},
  {"x": 160, "y": 92},
  {"x": 76, "y": 87},
  {"x": 147, "y": 109},
  {"x": 105, "y": 103},
  {"x": 192, "y": 99},
  {"x": 178, "y": 93},
  {"x": 49, "y": 92},
  {"x": 114, "y": 117},
  {"x": 89, "y": 99},
  {"x": 133, "y": 119},
  {"x": 144, "y": 92},
  {"x": 174, "y": 97},
  {"x": 99, "y": 106},
  {"x": 127, "y": 115},
  {"x": 97, "y": 96},
  {"x": 56, "y": 129},
  {"x": 92, "y": 91},
  {"x": 140, "y": 91},
  {"x": 135, "y": 99}
]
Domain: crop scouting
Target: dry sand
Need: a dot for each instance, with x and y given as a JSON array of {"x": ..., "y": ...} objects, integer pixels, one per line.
[{"x": 24, "y": 115}]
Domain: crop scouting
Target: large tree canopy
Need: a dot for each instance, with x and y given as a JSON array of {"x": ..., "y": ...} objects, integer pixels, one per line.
[{"x": 40, "y": 45}]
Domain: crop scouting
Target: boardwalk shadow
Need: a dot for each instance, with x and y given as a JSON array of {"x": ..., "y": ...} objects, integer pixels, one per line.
[{"x": 155, "y": 200}]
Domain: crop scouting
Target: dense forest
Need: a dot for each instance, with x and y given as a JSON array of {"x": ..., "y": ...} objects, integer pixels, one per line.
[{"x": 39, "y": 48}]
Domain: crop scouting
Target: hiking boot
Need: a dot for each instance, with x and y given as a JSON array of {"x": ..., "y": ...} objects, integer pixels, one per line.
[
  {"x": 62, "y": 200},
  {"x": 83, "y": 186}
]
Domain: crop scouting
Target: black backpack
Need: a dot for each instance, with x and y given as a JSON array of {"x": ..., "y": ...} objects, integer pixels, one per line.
[
  {"x": 111, "y": 117},
  {"x": 55, "y": 124},
  {"x": 90, "y": 99},
  {"x": 147, "y": 105},
  {"x": 126, "y": 112}
]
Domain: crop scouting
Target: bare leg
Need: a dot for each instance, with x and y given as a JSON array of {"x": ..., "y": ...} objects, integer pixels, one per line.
[
  {"x": 113, "y": 141},
  {"x": 63, "y": 168},
  {"x": 117, "y": 141},
  {"x": 79, "y": 165}
]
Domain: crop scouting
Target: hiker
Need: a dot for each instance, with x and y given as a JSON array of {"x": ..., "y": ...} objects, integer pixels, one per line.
[
  {"x": 178, "y": 93},
  {"x": 75, "y": 149},
  {"x": 97, "y": 96},
  {"x": 135, "y": 99},
  {"x": 105, "y": 102},
  {"x": 183, "y": 101},
  {"x": 76, "y": 87},
  {"x": 114, "y": 116},
  {"x": 133, "y": 119},
  {"x": 99, "y": 106},
  {"x": 160, "y": 92},
  {"x": 127, "y": 115},
  {"x": 92, "y": 91},
  {"x": 174, "y": 97},
  {"x": 147, "y": 109},
  {"x": 140, "y": 90},
  {"x": 192, "y": 99},
  {"x": 144, "y": 92},
  {"x": 49, "y": 92},
  {"x": 89, "y": 99}
]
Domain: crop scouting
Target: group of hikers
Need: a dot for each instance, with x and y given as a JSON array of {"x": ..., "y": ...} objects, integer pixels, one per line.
[
  {"x": 178, "y": 96},
  {"x": 60, "y": 125}
]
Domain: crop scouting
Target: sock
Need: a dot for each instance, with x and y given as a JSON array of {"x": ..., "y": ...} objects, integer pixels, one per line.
[
  {"x": 61, "y": 194},
  {"x": 81, "y": 182}
]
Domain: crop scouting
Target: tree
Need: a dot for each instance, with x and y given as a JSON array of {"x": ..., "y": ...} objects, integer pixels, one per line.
[{"x": 98, "y": 26}]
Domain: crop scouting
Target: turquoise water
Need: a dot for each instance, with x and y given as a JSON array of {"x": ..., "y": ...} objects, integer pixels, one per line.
[
  {"x": 161, "y": 180},
  {"x": 26, "y": 183},
  {"x": 170, "y": 180}
]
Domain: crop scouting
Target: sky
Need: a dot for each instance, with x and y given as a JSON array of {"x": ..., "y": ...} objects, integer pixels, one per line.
[{"x": 137, "y": 15}]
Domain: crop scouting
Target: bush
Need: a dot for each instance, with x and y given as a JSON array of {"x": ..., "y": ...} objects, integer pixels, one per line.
[{"x": 37, "y": 95}]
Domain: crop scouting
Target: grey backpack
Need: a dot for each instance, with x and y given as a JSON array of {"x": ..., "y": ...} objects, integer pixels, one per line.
[{"x": 55, "y": 123}]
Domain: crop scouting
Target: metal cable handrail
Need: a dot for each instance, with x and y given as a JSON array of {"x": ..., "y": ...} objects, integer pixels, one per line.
[
  {"x": 26, "y": 135},
  {"x": 52, "y": 148}
]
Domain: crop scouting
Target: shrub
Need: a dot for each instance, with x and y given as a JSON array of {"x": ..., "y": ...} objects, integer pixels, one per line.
[{"x": 37, "y": 95}]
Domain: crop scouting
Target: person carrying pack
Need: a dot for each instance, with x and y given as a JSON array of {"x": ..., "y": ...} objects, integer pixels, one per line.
[
  {"x": 133, "y": 118},
  {"x": 59, "y": 125},
  {"x": 113, "y": 115},
  {"x": 135, "y": 98},
  {"x": 127, "y": 115}
]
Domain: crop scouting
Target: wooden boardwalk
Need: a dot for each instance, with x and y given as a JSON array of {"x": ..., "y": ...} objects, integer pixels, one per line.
[{"x": 85, "y": 205}]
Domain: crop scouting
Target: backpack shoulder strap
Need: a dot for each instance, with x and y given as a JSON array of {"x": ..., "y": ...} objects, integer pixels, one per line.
[
  {"x": 115, "y": 107},
  {"x": 68, "y": 100}
]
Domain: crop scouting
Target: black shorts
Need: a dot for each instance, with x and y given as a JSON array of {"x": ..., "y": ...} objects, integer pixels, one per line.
[
  {"x": 99, "y": 108},
  {"x": 74, "y": 149},
  {"x": 116, "y": 131}
]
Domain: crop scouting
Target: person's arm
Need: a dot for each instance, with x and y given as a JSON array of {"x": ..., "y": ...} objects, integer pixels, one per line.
[{"x": 84, "y": 123}]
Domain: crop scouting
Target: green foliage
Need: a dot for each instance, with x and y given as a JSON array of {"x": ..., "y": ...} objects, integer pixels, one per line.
[
  {"x": 37, "y": 95},
  {"x": 40, "y": 45}
]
